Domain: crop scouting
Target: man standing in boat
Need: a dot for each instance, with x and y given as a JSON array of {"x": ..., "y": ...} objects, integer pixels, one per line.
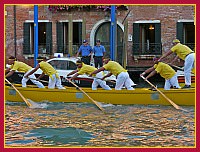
[
  {"x": 22, "y": 67},
  {"x": 165, "y": 71},
  {"x": 54, "y": 78},
  {"x": 116, "y": 69},
  {"x": 87, "y": 69},
  {"x": 86, "y": 52},
  {"x": 186, "y": 54}
]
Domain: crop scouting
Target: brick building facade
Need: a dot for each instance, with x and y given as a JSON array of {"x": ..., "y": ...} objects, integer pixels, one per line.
[{"x": 142, "y": 31}]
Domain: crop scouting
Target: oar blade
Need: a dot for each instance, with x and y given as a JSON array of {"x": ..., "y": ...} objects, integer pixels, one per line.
[{"x": 35, "y": 105}]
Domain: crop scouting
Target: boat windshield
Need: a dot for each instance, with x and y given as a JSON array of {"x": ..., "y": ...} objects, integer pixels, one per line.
[{"x": 63, "y": 64}]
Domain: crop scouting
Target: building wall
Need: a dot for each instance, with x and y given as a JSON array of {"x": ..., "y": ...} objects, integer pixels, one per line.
[{"x": 168, "y": 16}]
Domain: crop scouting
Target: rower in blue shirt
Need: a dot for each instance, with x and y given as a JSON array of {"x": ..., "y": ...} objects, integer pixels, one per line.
[
  {"x": 99, "y": 51},
  {"x": 86, "y": 51}
]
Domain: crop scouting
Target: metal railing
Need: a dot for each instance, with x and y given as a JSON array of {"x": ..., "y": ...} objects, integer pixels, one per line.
[{"x": 147, "y": 48}]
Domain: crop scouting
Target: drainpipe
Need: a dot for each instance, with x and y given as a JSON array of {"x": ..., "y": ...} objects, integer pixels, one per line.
[
  {"x": 112, "y": 33},
  {"x": 35, "y": 34},
  {"x": 15, "y": 35}
]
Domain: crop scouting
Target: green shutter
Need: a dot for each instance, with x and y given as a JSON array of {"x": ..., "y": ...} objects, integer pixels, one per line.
[
  {"x": 83, "y": 29},
  {"x": 60, "y": 37},
  {"x": 49, "y": 38},
  {"x": 80, "y": 31},
  {"x": 125, "y": 44},
  {"x": 158, "y": 45},
  {"x": 179, "y": 31},
  {"x": 26, "y": 44},
  {"x": 136, "y": 38}
]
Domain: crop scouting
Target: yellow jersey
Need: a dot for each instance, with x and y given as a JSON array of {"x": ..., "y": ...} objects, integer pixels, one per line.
[
  {"x": 114, "y": 67},
  {"x": 181, "y": 50},
  {"x": 164, "y": 70},
  {"x": 20, "y": 66},
  {"x": 86, "y": 69},
  {"x": 47, "y": 69}
]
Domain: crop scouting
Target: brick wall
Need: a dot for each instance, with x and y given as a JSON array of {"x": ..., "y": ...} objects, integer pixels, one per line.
[{"x": 168, "y": 16}]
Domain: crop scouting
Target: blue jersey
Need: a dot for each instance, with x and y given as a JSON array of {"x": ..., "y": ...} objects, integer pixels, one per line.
[
  {"x": 99, "y": 50},
  {"x": 85, "y": 50}
]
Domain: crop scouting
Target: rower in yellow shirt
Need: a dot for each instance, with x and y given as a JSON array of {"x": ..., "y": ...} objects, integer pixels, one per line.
[
  {"x": 123, "y": 79},
  {"x": 165, "y": 71},
  {"x": 87, "y": 69},
  {"x": 186, "y": 54},
  {"x": 54, "y": 78},
  {"x": 22, "y": 67}
]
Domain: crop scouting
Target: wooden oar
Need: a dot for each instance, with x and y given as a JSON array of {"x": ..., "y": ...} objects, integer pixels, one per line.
[
  {"x": 86, "y": 95},
  {"x": 25, "y": 100},
  {"x": 179, "y": 68},
  {"x": 170, "y": 101},
  {"x": 39, "y": 80}
]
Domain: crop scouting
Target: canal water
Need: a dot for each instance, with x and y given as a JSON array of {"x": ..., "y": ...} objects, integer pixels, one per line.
[{"x": 84, "y": 125}]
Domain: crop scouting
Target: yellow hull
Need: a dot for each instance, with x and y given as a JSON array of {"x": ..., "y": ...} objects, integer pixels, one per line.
[{"x": 71, "y": 94}]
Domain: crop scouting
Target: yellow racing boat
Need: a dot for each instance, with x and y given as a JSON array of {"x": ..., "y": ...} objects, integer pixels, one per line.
[{"x": 143, "y": 96}]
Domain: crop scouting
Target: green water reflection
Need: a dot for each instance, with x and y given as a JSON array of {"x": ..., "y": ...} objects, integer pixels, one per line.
[{"x": 84, "y": 125}]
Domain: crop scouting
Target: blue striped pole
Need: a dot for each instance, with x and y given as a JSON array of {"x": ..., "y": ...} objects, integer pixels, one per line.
[
  {"x": 35, "y": 34},
  {"x": 112, "y": 33}
]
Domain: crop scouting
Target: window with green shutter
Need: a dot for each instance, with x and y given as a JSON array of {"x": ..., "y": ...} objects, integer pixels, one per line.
[
  {"x": 26, "y": 43},
  {"x": 49, "y": 38},
  {"x": 147, "y": 39},
  {"x": 186, "y": 33},
  {"x": 62, "y": 35},
  {"x": 44, "y": 38}
]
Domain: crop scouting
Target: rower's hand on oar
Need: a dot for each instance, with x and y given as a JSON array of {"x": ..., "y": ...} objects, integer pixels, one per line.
[
  {"x": 103, "y": 78},
  {"x": 69, "y": 79},
  {"x": 142, "y": 74},
  {"x": 170, "y": 63},
  {"x": 145, "y": 79}
]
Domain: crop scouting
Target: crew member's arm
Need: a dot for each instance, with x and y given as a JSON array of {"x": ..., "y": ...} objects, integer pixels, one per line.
[
  {"x": 151, "y": 74},
  {"x": 97, "y": 71},
  {"x": 31, "y": 72},
  {"x": 165, "y": 55},
  {"x": 108, "y": 75},
  {"x": 174, "y": 60},
  {"x": 147, "y": 71},
  {"x": 7, "y": 70},
  {"x": 74, "y": 76},
  {"x": 41, "y": 75},
  {"x": 71, "y": 73},
  {"x": 10, "y": 73}
]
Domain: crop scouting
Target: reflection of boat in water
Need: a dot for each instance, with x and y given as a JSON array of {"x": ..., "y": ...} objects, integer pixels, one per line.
[{"x": 72, "y": 94}]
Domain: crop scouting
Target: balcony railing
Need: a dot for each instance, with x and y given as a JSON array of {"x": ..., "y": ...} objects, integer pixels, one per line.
[{"x": 147, "y": 48}]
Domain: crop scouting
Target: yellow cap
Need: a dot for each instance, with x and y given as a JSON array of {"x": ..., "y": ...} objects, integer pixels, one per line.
[
  {"x": 176, "y": 41},
  {"x": 78, "y": 63}
]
